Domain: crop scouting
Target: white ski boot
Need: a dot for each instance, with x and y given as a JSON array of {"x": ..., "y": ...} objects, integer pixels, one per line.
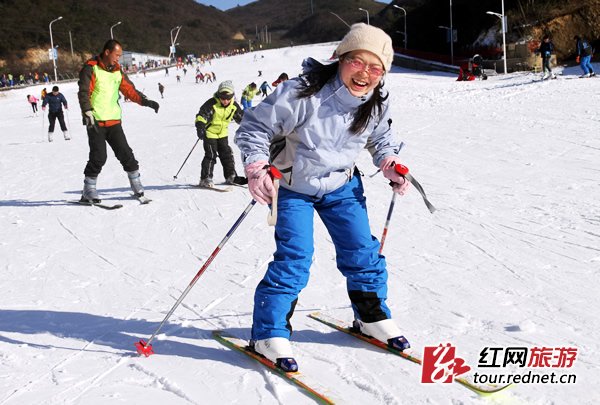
[
  {"x": 50, "y": 136},
  {"x": 385, "y": 331},
  {"x": 67, "y": 136},
  {"x": 90, "y": 194},
  {"x": 136, "y": 183},
  {"x": 278, "y": 350}
]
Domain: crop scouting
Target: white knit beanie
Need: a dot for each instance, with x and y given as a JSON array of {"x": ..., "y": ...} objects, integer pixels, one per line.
[{"x": 368, "y": 38}]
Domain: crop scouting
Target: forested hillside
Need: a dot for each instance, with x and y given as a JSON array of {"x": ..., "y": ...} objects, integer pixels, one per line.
[{"x": 146, "y": 25}]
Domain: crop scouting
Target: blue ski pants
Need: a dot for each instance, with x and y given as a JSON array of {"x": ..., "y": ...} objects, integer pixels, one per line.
[
  {"x": 586, "y": 65},
  {"x": 344, "y": 214}
]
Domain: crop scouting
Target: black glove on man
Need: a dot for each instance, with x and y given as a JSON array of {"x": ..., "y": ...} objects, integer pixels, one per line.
[
  {"x": 201, "y": 130},
  {"x": 149, "y": 103}
]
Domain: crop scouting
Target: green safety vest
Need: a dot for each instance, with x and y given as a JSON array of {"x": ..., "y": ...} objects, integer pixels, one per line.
[{"x": 105, "y": 95}]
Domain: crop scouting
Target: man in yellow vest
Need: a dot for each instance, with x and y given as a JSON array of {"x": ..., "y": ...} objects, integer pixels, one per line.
[{"x": 100, "y": 81}]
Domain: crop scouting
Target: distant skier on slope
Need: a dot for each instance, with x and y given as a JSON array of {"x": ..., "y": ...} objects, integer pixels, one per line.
[
  {"x": 55, "y": 101},
  {"x": 545, "y": 51},
  {"x": 313, "y": 131},
  {"x": 584, "y": 56},
  {"x": 100, "y": 81},
  {"x": 212, "y": 123}
]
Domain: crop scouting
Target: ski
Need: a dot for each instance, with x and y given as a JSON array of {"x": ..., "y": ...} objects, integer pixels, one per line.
[
  {"x": 100, "y": 205},
  {"x": 219, "y": 189},
  {"x": 312, "y": 388},
  {"x": 234, "y": 184},
  {"x": 410, "y": 354}
]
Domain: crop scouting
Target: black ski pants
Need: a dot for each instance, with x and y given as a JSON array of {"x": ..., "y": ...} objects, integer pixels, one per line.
[
  {"x": 52, "y": 116},
  {"x": 213, "y": 148},
  {"x": 115, "y": 137}
]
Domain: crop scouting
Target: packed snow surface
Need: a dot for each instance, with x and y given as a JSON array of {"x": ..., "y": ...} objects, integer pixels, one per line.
[{"x": 511, "y": 257}]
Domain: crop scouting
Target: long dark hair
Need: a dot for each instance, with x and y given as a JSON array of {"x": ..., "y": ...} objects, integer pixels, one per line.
[{"x": 317, "y": 77}]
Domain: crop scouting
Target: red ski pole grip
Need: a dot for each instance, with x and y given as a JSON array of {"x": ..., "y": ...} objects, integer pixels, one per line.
[
  {"x": 274, "y": 172},
  {"x": 403, "y": 170}
]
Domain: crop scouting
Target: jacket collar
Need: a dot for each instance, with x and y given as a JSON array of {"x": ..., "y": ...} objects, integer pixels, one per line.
[{"x": 343, "y": 95}]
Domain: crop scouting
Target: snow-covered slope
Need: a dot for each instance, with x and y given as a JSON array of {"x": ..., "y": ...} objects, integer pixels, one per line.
[{"x": 511, "y": 258}]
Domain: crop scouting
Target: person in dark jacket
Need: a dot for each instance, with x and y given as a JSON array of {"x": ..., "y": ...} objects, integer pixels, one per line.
[
  {"x": 55, "y": 101},
  {"x": 282, "y": 78},
  {"x": 212, "y": 123},
  {"x": 545, "y": 51},
  {"x": 263, "y": 88},
  {"x": 584, "y": 56}
]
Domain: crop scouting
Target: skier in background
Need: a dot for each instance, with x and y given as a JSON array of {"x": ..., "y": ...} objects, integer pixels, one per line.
[
  {"x": 161, "y": 89},
  {"x": 282, "y": 78},
  {"x": 584, "y": 56},
  {"x": 545, "y": 51},
  {"x": 33, "y": 101},
  {"x": 212, "y": 123},
  {"x": 100, "y": 81},
  {"x": 248, "y": 94},
  {"x": 313, "y": 131},
  {"x": 55, "y": 101},
  {"x": 263, "y": 88}
]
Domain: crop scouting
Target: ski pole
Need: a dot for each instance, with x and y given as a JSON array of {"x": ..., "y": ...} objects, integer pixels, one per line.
[
  {"x": 43, "y": 116},
  {"x": 387, "y": 221},
  {"x": 403, "y": 171},
  {"x": 188, "y": 156},
  {"x": 68, "y": 120},
  {"x": 146, "y": 348}
]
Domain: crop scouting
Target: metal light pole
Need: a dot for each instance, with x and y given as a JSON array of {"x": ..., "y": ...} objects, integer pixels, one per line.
[
  {"x": 340, "y": 19},
  {"x": 176, "y": 28},
  {"x": 173, "y": 42},
  {"x": 502, "y": 18},
  {"x": 52, "y": 45},
  {"x": 72, "y": 55},
  {"x": 367, "y": 15},
  {"x": 111, "y": 34},
  {"x": 405, "y": 37}
]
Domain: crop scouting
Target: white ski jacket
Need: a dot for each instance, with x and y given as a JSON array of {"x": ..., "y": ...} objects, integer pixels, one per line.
[{"x": 308, "y": 139}]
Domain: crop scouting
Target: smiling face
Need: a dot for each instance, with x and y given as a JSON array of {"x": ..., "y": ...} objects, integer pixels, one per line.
[{"x": 359, "y": 82}]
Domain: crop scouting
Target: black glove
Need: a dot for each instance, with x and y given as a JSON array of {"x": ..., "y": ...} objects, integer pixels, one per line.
[
  {"x": 90, "y": 122},
  {"x": 201, "y": 130},
  {"x": 152, "y": 104}
]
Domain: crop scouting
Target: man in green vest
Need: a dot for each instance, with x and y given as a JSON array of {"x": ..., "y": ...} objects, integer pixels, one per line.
[{"x": 100, "y": 81}]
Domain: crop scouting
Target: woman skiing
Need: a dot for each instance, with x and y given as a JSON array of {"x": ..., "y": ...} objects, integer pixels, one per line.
[{"x": 312, "y": 131}]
